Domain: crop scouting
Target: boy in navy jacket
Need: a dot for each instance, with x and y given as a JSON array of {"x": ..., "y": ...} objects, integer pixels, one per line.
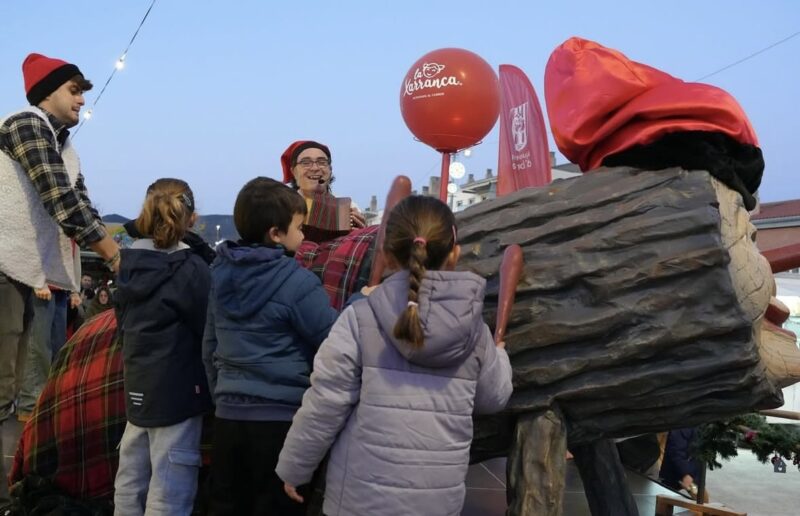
[{"x": 266, "y": 318}]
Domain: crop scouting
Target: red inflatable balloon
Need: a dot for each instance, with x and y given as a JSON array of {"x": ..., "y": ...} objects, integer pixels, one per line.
[{"x": 450, "y": 99}]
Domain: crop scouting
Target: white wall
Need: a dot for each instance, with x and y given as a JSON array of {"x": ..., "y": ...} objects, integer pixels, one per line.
[{"x": 789, "y": 293}]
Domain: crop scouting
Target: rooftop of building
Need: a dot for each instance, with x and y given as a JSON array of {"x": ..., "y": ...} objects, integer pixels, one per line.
[{"x": 778, "y": 210}]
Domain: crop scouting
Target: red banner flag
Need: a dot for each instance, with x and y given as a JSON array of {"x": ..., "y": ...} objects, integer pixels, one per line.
[{"x": 524, "y": 156}]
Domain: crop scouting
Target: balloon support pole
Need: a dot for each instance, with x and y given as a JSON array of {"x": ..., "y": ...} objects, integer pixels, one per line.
[{"x": 444, "y": 178}]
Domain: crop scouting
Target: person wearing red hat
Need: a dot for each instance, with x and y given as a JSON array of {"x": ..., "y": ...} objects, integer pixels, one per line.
[
  {"x": 44, "y": 207},
  {"x": 307, "y": 168}
]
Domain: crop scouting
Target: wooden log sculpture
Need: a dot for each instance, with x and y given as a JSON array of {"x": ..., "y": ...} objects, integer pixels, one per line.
[{"x": 641, "y": 308}]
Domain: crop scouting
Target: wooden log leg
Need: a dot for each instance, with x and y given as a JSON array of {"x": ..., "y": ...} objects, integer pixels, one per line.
[
  {"x": 535, "y": 467},
  {"x": 400, "y": 189},
  {"x": 604, "y": 480}
]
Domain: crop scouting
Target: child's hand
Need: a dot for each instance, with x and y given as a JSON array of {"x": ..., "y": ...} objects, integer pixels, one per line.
[
  {"x": 43, "y": 293},
  {"x": 368, "y": 290},
  {"x": 292, "y": 493},
  {"x": 501, "y": 344}
]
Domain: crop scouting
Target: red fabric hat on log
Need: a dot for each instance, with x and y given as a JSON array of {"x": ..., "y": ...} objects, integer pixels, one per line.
[{"x": 600, "y": 103}]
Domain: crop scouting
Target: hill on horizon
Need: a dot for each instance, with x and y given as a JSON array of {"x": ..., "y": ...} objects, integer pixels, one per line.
[
  {"x": 206, "y": 226},
  {"x": 115, "y": 218}
]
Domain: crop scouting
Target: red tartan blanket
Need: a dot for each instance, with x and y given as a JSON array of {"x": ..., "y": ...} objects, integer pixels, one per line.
[
  {"x": 342, "y": 264},
  {"x": 78, "y": 422}
]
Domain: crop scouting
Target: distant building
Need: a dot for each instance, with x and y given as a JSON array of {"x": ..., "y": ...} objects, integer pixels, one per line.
[
  {"x": 477, "y": 190},
  {"x": 778, "y": 224},
  {"x": 473, "y": 191},
  {"x": 372, "y": 214}
]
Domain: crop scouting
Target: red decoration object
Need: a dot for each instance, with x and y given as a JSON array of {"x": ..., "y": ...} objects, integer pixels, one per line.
[
  {"x": 510, "y": 272},
  {"x": 601, "y": 103},
  {"x": 450, "y": 99}
]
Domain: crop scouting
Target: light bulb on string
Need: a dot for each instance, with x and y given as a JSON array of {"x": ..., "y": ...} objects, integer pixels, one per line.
[
  {"x": 457, "y": 170},
  {"x": 452, "y": 188},
  {"x": 118, "y": 65}
]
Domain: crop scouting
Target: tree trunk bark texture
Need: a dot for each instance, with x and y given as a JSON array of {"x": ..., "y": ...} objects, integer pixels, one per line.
[
  {"x": 536, "y": 464},
  {"x": 626, "y": 315}
]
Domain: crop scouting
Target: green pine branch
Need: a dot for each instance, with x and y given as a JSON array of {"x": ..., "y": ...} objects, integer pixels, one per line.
[{"x": 720, "y": 440}]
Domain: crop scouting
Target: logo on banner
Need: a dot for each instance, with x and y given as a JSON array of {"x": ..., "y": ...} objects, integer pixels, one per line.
[
  {"x": 519, "y": 126},
  {"x": 428, "y": 77}
]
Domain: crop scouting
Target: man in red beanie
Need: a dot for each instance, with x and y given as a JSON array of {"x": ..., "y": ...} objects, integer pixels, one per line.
[
  {"x": 44, "y": 209},
  {"x": 307, "y": 168}
]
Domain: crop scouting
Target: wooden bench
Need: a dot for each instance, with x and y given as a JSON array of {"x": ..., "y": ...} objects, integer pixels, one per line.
[{"x": 665, "y": 505}]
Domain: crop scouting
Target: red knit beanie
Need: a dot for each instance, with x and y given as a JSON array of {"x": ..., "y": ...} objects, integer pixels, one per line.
[
  {"x": 43, "y": 75},
  {"x": 289, "y": 156}
]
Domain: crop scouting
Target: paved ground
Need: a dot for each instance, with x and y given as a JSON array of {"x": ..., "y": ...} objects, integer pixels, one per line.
[
  {"x": 486, "y": 494},
  {"x": 749, "y": 486},
  {"x": 743, "y": 484}
]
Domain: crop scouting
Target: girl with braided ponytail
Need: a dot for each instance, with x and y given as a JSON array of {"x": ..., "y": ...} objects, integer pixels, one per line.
[
  {"x": 398, "y": 379},
  {"x": 161, "y": 303},
  {"x": 421, "y": 236}
]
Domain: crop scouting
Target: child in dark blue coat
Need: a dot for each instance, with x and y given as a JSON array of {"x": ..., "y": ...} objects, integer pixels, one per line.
[
  {"x": 267, "y": 317},
  {"x": 679, "y": 470},
  {"x": 161, "y": 306}
]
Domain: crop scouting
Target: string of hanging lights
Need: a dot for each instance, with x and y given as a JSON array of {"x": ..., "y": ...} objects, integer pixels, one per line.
[{"x": 118, "y": 65}]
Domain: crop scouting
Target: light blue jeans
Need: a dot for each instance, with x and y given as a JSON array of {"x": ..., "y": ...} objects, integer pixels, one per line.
[
  {"x": 158, "y": 469},
  {"x": 48, "y": 333}
]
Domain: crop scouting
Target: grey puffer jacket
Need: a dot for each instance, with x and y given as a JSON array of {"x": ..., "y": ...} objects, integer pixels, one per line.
[{"x": 399, "y": 420}]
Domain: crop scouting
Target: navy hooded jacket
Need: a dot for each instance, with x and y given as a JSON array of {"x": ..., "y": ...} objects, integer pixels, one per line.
[
  {"x": 678, "y": 461},
  {"x": 267, "y": 316},
  {"x": 161, "y": 306}
]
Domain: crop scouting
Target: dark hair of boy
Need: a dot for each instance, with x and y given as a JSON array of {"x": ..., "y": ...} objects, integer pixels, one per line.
[
  {"x": 420, "y": 234},
  {"x": 262, "y": 204}
]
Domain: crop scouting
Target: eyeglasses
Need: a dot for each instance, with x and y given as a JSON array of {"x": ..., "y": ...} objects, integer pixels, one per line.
[{"x": 308, "y": 163}]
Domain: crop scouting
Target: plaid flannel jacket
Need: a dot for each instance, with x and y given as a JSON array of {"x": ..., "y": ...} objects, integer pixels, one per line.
[
  {"x": 26, "y": 139},
  {"x": 342, "y": 264}
]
